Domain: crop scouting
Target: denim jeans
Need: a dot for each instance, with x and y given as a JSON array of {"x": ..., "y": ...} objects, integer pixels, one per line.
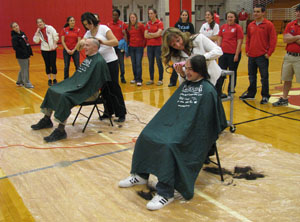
[
  {"x": 155, "y": 52},
  {"x": 136, "y": 54},
  {"x": 163, "y": 189},
  {"x": 226, "y": 62},
  {"x": 262, "y": 63},
  {"x": 67, "y": 59},
  {"x": 121, "y": 61}
]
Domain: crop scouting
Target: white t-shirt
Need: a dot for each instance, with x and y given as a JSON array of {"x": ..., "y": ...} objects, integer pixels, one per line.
[
  {"x": 207, "y": 31},
  {"x": 108, "y": 52}
]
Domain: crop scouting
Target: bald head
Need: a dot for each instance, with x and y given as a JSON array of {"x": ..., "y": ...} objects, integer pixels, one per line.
[{"x": 91, "y": 46}]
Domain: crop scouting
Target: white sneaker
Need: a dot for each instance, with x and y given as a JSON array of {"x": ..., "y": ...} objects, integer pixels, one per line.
[
  {"x": 139, "y": 84},
  {"x": 158, "y": 202},
  {"x": 132, "y": 180},
  {"x": 132, "y": 81}
]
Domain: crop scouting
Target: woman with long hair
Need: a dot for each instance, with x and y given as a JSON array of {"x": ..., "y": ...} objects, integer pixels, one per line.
[
  {"x": 48, "y": 37},
  {"x": 136, "y": 39},
  {"x": 175, "y": 143},
  {"x": 153, "y": 32},
  {"x": 112, "y": 93},
  {"x": 70, "y": 39},
  {"x": 23, "y": 52},
  {"x": 230, "y": 39},
  {"x": 179, "y": 46},
  {"x": 210, "y": 28},
  {"x": 183, "y": 25}
]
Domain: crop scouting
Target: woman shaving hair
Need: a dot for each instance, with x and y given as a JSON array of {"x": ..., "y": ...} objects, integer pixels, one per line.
[{"x": 178, "y": 47}]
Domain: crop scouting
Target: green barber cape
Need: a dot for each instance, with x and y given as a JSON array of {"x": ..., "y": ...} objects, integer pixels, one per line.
[
  {"x": 90, "y": 77},
  {"x": 175, "y": 143}
]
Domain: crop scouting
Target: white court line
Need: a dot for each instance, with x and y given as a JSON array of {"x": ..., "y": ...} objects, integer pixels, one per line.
[
  {"x": 222, "y": 206},
  {"x": 28, "y": 90}
]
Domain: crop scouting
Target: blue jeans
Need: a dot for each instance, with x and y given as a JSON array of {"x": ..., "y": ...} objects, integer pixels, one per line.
[
  {"x": 155, "y": 52},
  {"x": 262, "y": 63},
  {"x": 121, "y": 61},
  {"x": 67, "y": 59},
  {"x": 136, "y": 54}
]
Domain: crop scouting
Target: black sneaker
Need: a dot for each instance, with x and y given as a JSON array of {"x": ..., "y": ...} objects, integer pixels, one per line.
[
  {"x": 281, "y": 102},
  {"x": 105, "y": 116},
  {"x": 56, "y": 135},
  {"x": 42, "y": 124},
  {"x": 54, "y": 81},
  {"x": 264, "y": 100},
  {"x": 19, "y": 84},
  {"x": 49, "y": 82},
  {"x": 246, "y": 97},
  {"x": 120, "y": 120},
  {"x": 223, "y": 96},
  {"x": 123, "y": 81},
  {"x": 171, "y": 84}
]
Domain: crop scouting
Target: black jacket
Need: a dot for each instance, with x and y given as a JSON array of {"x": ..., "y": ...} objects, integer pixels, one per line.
[{"x": 21, "y": 45}]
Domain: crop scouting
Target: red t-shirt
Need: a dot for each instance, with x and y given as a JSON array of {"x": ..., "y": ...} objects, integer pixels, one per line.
[
  {"x": 117, "y": 28},
  {"x": 152, "y": 28},
  {"x": 71, "y": 36},
  {"x": 261, "y": 39},
  {"x": 230, "y": 34},
  {"x": 44, "y": 34},
  {"x": 293, "y": 29},
  {"x": 243, "y": 16},
  {"x": 136, "y": 36},
  {"x": 217, "y": 18}
]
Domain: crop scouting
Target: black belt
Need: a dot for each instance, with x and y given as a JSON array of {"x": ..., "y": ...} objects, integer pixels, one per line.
[{"x": 293, "y": 53}]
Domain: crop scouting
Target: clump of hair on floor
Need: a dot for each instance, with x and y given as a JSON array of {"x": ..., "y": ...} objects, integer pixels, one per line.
[
  {"x": 239, "y": 172},
  {"x": 147, "y": 195}
]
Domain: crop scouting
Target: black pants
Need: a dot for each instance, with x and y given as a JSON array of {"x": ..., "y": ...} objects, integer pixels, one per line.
[
  {"x": 113, "y": 93},
  {"x": 174, "y": 77},
  {"x": 50, "y": 61},
  {"x": 226, "y": 62}
]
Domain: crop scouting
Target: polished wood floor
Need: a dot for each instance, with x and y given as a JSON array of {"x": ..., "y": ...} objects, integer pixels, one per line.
[{"x": 274, "y": 130}]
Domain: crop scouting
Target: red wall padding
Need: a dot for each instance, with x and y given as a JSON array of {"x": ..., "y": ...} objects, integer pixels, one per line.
[
  {"x": 54, "y": 13},
  {"x": 174, "y": 6}
]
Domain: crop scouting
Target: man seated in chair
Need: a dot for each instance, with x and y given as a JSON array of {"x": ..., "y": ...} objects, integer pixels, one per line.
[
  {"x": 83, "y": 86},
  {"x": 175, "y": 143}
]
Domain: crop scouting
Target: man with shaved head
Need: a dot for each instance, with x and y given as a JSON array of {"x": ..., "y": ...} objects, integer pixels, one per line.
[{"x": 83, "y": 86}]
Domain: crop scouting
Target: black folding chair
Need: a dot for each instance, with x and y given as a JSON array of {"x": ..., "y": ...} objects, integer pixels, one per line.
[
  {"x": 214, "y": 150},
  {"x": 95, "y": 103}
]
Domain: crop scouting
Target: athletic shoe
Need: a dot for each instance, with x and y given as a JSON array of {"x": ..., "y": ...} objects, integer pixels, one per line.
[
  {"x": 158, "y": 202},
  {"x": 281, "y": 102},
  {"x": 56, "y": 135},
  {"x": 264, "y": 100},
  {"x": 159, "y": 83},
  {"x": 132, "y": 180},
  {"x": 171, "y": 84},
  {"x": 223, "y": 96},
  {"x": 49, "y": 82},
  {"x": 54, "y": 81},
  {"x": 150, "y": 82},
  {"x": 121, "y": 119},
  {"x": 139, "y": 84},
  {"x": 123, "y": 81},
  {"x": 246, "y": 97},
  {"x": 132, "y": 81},
  {"x": 29, "y": 86},
  {"x": 42, "y": 124},
  {"x": 19, "y": 84}
]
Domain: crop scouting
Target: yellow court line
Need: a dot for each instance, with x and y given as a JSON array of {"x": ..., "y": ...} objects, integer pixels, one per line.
[
  {"x": 28, "y": 90},
  {"x": 12, "y": 207}
]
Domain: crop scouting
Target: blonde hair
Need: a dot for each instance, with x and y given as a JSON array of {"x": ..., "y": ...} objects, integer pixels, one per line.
[{"x": 167, "y": 51}]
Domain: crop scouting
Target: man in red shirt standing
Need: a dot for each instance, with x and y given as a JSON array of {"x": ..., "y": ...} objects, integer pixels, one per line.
[
  {"x": 216, "y": 17},
  {"x": 243, "y": 17},
  {"x": 291, "y": 61},
  {"x": 260, "y": 44},
  {"x": 118, "y": 28}
]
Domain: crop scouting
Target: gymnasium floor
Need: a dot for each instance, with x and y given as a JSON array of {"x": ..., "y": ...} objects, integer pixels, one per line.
[{"x": 76, "y": 179}]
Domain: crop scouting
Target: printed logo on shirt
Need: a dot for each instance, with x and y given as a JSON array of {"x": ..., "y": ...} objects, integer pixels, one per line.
[
  {"x": 233, "y": 30},
  {"x": 223, "y": 30},
  {"x": 67, "y": 33},
  {"x": 292, "y": 31}
]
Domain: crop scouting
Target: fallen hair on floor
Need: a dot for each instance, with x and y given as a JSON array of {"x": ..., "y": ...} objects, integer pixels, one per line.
[
  {"x": 147, "y": 195},
  {"x": 239, "y": 172}
]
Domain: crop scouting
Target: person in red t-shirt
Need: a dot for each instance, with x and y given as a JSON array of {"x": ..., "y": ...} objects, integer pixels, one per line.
[
  {"x": 243, "y": 17},
  {"x": 291, "y": 61},
  {"x": 118, "y": 28},
  {"x": 136, "y": 41},
  {"x": 230, "y": 40},
  {"x": 153, "y": 32},
  {"x": 70, "y": 39},
  {"x": 216, "y": 17},
  {"x": 260, "y": 44}
]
